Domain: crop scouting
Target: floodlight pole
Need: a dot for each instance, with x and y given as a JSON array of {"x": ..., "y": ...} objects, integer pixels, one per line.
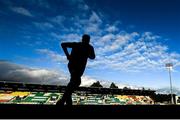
[{"x": 169, "y": 66}]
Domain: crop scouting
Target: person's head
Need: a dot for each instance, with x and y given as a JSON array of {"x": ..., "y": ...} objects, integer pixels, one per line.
[{"x": 86, "y": 38}]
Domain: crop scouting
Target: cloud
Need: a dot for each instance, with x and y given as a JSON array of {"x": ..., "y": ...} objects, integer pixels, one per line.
[
  {"x": 56, "y": 36},
  {"x": 132, "y": 52},
  {"x": 53, "y": 55},
  {"x": 43, "y": 3},
  {"x": 112, "y": 42},
  {"x": 83, "y": 7},
  {"x": 11, "y": 72},
  {"x": 112, "y": 29},
  {"x": 93, "y": 24},
  {"x": 87, "y": 81},
  {"x": 58, "y": 20},
  {"x": 43, "y": 25},
  {"x": 115, "y": 48},
  {"x": 94, "y": 18},
  {"x": 127, "y": 52},
  {"x": 71, "y": 37},
  {"x": 88, "y": 24},
  {"x": 118, "y": 49},
  {"x": 22, "y": 11},
  {"x": 17, "y": 73}
]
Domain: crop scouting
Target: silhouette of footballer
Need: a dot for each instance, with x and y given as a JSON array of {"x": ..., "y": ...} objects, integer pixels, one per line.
[{"x": 80, "y": 52}]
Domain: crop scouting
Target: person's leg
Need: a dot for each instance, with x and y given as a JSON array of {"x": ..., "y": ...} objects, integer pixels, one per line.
[
  {"x": 67, "y": 94},
  {"x": 74, "y": 83},
  {"x": 73, "y": 86},
  {"x": 69, "y": 99}
]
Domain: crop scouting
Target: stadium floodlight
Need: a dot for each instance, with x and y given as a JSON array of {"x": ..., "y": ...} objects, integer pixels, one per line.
[{"x": 169, "y": 66}]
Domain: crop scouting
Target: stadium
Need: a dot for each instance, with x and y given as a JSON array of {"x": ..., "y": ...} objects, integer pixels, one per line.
[
  {"x": 39, "y": 101},
  {"x": 16, "y": 93},
  {"x": 19, "y": 93}
]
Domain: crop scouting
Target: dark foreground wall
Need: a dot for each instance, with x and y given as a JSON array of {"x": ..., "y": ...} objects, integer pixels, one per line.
[{"x": 103, "y": 112}]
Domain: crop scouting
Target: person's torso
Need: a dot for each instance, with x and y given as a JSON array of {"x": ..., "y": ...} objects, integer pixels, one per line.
[{"x": 79, "y": 54}]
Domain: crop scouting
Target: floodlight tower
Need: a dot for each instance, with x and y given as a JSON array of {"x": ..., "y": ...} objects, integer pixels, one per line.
[{"x": 169, "y": 67}]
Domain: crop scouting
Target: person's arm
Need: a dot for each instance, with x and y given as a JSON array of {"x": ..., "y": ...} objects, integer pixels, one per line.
[
  {"x": 65, "y": 46},
  {"x": 92, "y": 53}
]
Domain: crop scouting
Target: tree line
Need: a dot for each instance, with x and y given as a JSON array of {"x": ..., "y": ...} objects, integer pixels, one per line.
[{"x": 97, "y": 84}]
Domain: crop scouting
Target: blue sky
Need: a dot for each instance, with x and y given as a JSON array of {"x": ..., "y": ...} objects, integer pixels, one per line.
[{"x": 133, "y": 39}]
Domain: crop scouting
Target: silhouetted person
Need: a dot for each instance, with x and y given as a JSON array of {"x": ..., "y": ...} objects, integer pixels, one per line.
[{"x": 81, "y": 51}]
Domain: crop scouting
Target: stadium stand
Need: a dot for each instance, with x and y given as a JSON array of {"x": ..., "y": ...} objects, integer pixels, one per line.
[
  {"x": 18, "y": 100},
  {"x": 18, "y": 93}
]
